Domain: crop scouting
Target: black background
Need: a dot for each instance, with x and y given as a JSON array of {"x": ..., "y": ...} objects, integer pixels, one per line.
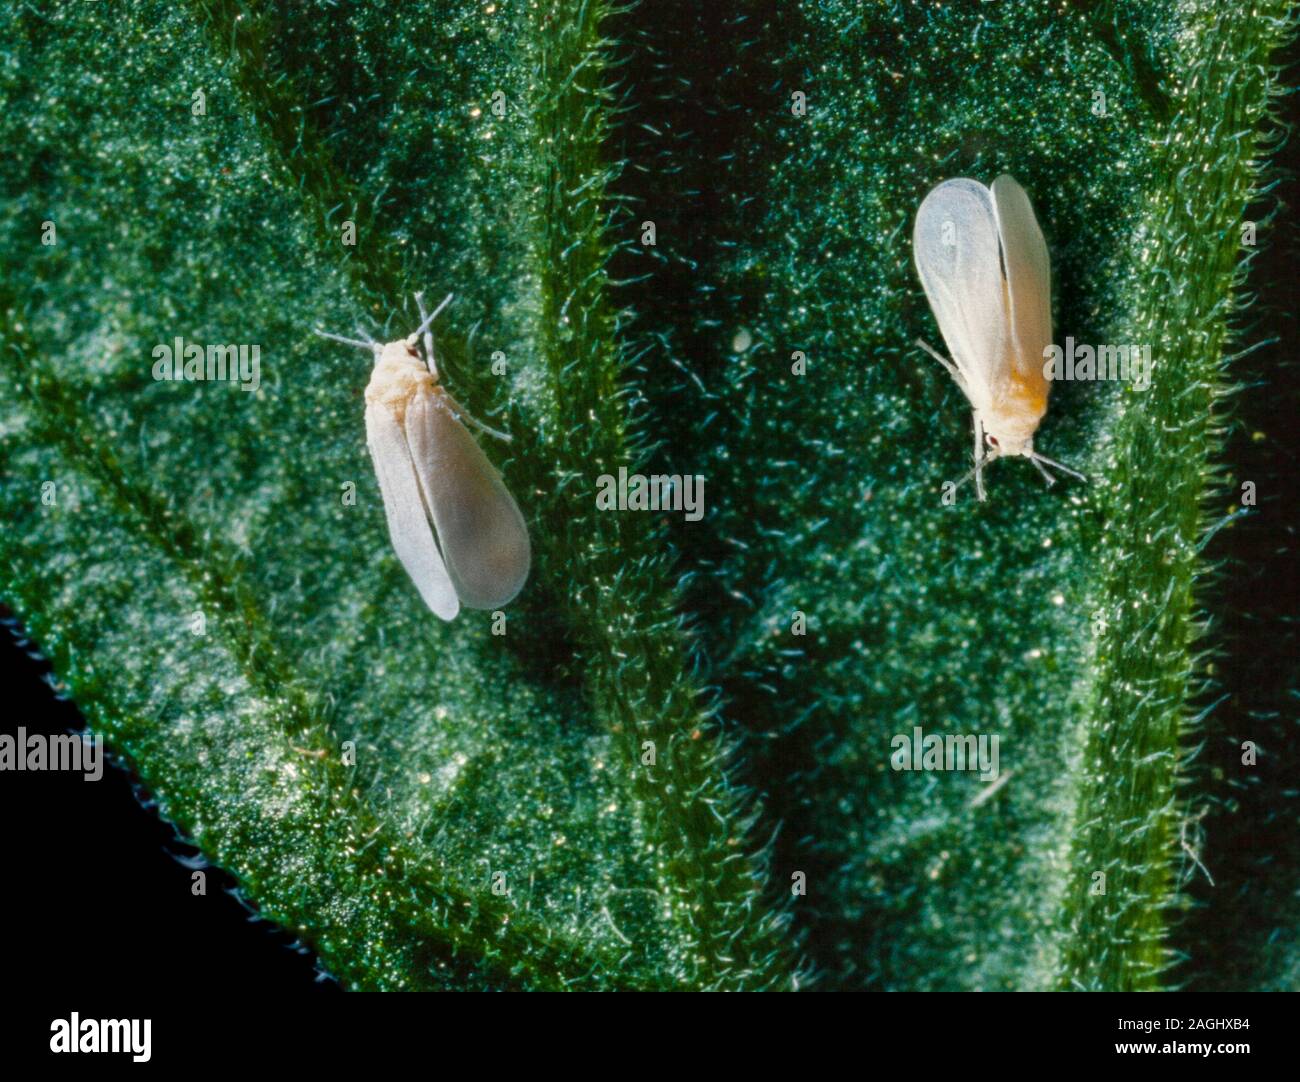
[{"x": 98, "y": 899}]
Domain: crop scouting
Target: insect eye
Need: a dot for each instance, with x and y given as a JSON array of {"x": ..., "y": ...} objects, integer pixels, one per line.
[{"x": 993, "y": 441}]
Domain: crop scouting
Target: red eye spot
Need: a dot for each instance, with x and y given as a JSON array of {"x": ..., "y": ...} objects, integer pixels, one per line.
[{"x": 993, "y": 441}]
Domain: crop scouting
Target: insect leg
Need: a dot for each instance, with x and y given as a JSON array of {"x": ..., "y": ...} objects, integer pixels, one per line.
[
  {"x": 460, "y": 412},
  {"x": 1056, "y": 465},
  {"x": 346, "y": 341},
  {"x": 952, "y": 368},
  {"x": 1043, "y": 470}
]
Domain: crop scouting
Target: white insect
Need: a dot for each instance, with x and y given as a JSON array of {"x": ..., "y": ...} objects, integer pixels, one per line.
[
  {"x": 984, "y": 265},
  {"x": 430, "y": 468}
]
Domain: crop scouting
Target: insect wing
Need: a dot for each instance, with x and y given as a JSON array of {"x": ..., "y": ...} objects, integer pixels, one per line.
[
  {"x": 955, "y": 244},
  {"x": 1029, "y": 275},
  {"x": 408, "y": 525},
  {"x": 481, "y": 532}
]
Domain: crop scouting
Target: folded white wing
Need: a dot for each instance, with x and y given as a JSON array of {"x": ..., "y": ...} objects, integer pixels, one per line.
[
  {"x": 1028, "y": 269},
  {"x": 482, "y": 534},
  {"x": 955, "y": 244},
  {"x": 408, "y": 525}
]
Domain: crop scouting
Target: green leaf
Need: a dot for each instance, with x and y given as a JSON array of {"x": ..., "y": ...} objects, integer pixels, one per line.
[{"x": 1070, "y": 623}]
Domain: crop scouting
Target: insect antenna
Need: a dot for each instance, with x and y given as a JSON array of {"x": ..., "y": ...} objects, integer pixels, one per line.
[
  {"x": 982, "y": 454},
  {"x": 977, "y": 472},
  {"x": 426, "y": 321},
  {"x": 969, "y": 474}
]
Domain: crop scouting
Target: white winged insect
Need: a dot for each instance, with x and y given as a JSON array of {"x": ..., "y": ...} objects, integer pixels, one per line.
[
  {"x": 431, "y": 469},
  {"x": 984, "y": 265}
]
